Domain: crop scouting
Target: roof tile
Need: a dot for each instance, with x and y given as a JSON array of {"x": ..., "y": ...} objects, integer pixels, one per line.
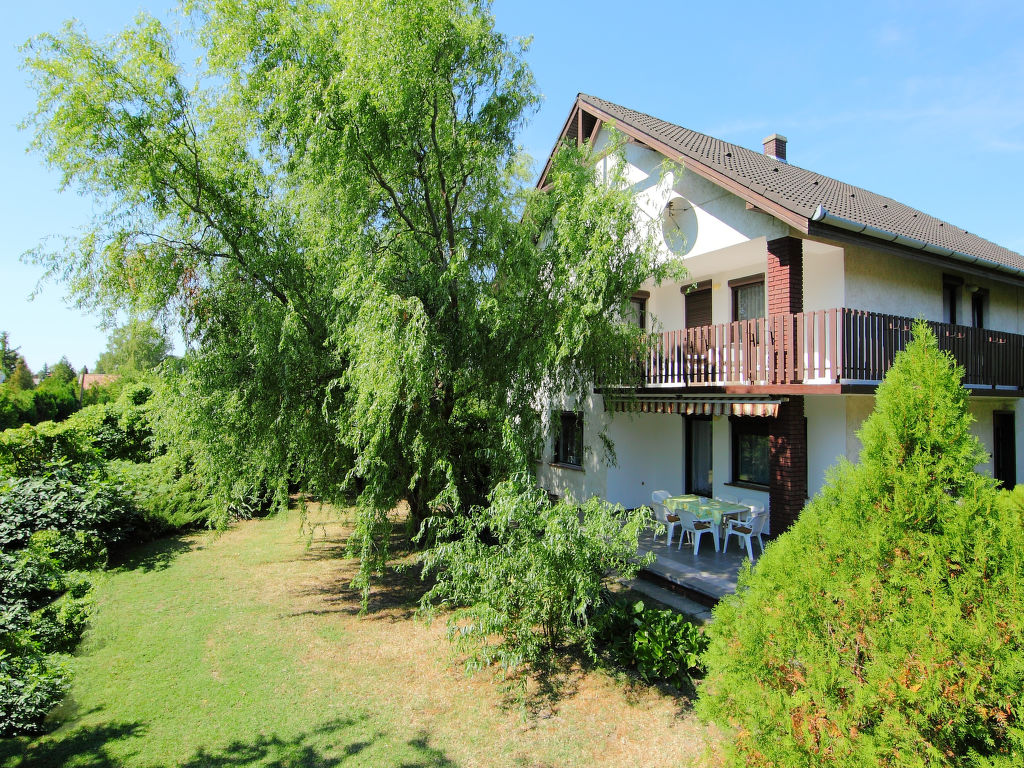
[{"x": 801, "y": 191}]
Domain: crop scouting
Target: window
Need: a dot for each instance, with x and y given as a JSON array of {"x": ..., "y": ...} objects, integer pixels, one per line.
[
  {"x": 750, "y": 451},
  {"x": 569, "y": 438},
  {"x": 978, "y": 307},
  {"x": 747, "y": 297},
  {"x": 638, "y": 311},
  {"x": 950, "y": 298}
]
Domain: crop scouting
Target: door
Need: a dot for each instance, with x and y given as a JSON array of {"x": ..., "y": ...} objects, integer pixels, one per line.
[
  {"x": 698, "y": 455},
  {"x": 1004, "y": 449}
]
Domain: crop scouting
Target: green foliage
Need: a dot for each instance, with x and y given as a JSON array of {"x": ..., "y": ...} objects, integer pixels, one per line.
[
  {"x": 133, "y": 348},
  {"x": 662, "y": 645},
  {"x": 31, "y": 450},
  {"x": 67, "y": 500},
  {"x": 31, "y": 685},
  {"x": 21, "y": 376},
  {"x": 17, "y": 407},
  {"x": 63, "y": 372},
  {"x": 46, "y": 608},
  {"x": 884, "y": 628},
  {"x": 54, "y": 399},
  {"x": 526, "y": 574},
  {"x": 373, "y": 291},
  {"x": 8, "y": 354}
]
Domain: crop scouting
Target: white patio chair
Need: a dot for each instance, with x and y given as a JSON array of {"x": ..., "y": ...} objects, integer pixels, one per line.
[
  {"x": 748, "y": 529},
  {"x": 696, "y": 527},
  {"x": 660, "y": 513}
]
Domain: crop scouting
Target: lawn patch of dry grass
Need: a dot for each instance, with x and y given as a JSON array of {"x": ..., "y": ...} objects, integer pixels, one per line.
[{"x": 248, "y": 648}]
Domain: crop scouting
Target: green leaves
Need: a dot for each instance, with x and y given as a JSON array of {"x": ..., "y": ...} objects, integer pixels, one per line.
[
  {"x": 337, "y": 215},
  {"x": 883, "y": 627},
  {"x": 528, "y": 572}
]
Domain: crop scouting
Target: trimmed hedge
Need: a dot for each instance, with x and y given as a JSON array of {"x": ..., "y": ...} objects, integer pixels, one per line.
[{"x": 886, "y": 627}]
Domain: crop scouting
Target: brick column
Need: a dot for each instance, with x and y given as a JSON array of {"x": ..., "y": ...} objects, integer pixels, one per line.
[
  {"x": 785, "y": 278},
  {"x": 787, "y": 486}
]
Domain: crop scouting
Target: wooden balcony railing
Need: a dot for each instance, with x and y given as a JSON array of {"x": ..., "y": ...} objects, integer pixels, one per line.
[{"x": 828, "y": 346}]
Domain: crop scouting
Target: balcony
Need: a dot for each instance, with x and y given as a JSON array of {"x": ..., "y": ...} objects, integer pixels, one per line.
[{"x": 831, "y": 347}]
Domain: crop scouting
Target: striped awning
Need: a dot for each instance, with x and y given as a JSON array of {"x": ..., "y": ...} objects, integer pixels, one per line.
[{"x": 689, "y": 405}]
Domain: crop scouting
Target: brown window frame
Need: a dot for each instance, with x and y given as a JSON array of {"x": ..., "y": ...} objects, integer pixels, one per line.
[
  {"x": 745, "y": 282},
  {"x": 568, "y": 422},
  {"x": 757, "y": 426}
]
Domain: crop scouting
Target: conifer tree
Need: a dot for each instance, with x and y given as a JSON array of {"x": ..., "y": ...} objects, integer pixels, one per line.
[
  {"x": 21, "y": 378},
  {"x": 885, "y": 627}
]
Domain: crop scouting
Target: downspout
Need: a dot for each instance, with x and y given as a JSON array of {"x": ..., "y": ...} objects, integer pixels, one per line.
[{"x": 822, "y": 215}]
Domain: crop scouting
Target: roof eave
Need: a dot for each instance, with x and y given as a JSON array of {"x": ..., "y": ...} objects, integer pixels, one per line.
[{"x": 823, "y": 216}]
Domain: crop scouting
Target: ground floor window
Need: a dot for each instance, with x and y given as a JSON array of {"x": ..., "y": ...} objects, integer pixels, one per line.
[
  {"x": 568, "y": 438},
  {"x": 750, "y": 451}
]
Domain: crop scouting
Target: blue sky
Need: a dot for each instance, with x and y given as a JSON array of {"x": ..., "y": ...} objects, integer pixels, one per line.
[{"x": 920, "y": 101}]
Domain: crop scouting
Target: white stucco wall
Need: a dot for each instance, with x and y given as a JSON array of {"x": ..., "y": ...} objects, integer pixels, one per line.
[
  {"x": 649, "y": 449},
  {"x": 826, "y": 436},
  {"x": 823, "y": 276},
  {"x": 881, "y": 282}
]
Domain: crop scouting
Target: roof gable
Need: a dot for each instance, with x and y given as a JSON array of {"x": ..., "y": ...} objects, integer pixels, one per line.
[{"x": 808, "y": 201}]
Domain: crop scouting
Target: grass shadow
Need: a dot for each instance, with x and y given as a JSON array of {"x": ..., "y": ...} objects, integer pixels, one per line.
[
  {"x": 394, "y": 596},
  {"x": 318, "y": 748},
  {"x": 152, "y": 556},
  {"x": 86, "y": 747}
]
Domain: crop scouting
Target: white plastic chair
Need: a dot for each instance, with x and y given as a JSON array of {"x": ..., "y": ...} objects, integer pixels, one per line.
[
  {"x": 660, "y": 513},
  {"x": 696, "y": 527},
  {"x": 747, "y": 530}
]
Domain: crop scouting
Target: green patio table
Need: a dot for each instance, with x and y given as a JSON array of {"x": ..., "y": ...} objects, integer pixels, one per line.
[{"x": 704, "y": 508}]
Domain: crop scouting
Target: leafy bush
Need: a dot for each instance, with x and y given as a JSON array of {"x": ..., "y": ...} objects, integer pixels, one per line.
[
  {"x": 65, "y": 500},
  {"x": 884, "y": 628},
  {"x": 526, "y": 574},
  {"x": 17, "y": 407},
  {"x": 46, "y": 608},
  {"x": 661, "y": 645},
  {"x": 31, "y": 450},
  {"x": 30, "y": 686},
  {"x": 166, "y": 491}
]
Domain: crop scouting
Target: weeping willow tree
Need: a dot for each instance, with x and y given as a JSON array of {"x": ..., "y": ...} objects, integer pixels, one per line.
[{"x": 334, "y": 208}]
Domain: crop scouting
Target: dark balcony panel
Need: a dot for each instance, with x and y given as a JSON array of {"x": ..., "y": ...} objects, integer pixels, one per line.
[{"x": 830, "y": 346}]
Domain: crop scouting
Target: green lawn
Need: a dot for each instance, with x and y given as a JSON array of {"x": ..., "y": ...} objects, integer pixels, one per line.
[{"x": 246, "y": 648}]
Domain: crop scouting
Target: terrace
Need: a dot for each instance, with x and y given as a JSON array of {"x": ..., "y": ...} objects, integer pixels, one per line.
[{"x": 834, "y": 350}]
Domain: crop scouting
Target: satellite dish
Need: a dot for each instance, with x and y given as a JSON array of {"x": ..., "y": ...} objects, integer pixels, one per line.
[{"x": 679, "y": 224}]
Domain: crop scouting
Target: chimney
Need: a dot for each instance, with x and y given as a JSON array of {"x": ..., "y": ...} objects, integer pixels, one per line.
[{"x": 775, "y": 146}]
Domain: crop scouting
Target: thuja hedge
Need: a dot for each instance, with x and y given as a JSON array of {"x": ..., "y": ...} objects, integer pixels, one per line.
[{"x": 887, "y": 626}]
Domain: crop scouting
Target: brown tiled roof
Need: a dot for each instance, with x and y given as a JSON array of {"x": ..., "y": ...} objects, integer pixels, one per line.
[
  {"x": 802, "y": 192},
  {"x": 90, "y": 380}
]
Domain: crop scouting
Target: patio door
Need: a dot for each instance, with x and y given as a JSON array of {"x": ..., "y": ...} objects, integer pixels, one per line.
[
  {"x": 698, "y": 455},
  {"x": 1004, "y": 450}
]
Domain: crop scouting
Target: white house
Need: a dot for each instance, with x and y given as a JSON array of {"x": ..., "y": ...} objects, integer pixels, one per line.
[{"x": 801, "y": 288}]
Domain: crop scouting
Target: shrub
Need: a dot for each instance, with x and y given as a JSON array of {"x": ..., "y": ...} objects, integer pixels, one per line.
[
  {"x": 884, "y": 628},
  {"x": 31, "y": 450},
  {"x": 167, "y": 492},
  {"x": 30, "y": 686},
  {"x": 45, "y": 611},
  {"x": 526, "y": 574},
  {"x": 661, "y": 645},
  {"x": 64, "y": 500}
]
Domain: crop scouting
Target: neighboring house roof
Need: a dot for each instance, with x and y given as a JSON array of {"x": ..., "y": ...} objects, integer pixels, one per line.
[
  {"x": 802, "y": 198},
  {"x": 90, "y": 380}
]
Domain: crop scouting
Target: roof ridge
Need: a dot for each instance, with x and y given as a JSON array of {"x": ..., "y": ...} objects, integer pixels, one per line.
[{"x": 802, "y": 191}]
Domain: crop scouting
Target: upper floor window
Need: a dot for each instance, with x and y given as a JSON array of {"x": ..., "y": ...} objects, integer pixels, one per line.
[
  {"x": 568, "y": 448},
  {"x": 978, "y": 302},
  {"x": 748, "y": 297},
  {"x": 638, "y": 310},
  {"x": 951, "y": 287}
]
